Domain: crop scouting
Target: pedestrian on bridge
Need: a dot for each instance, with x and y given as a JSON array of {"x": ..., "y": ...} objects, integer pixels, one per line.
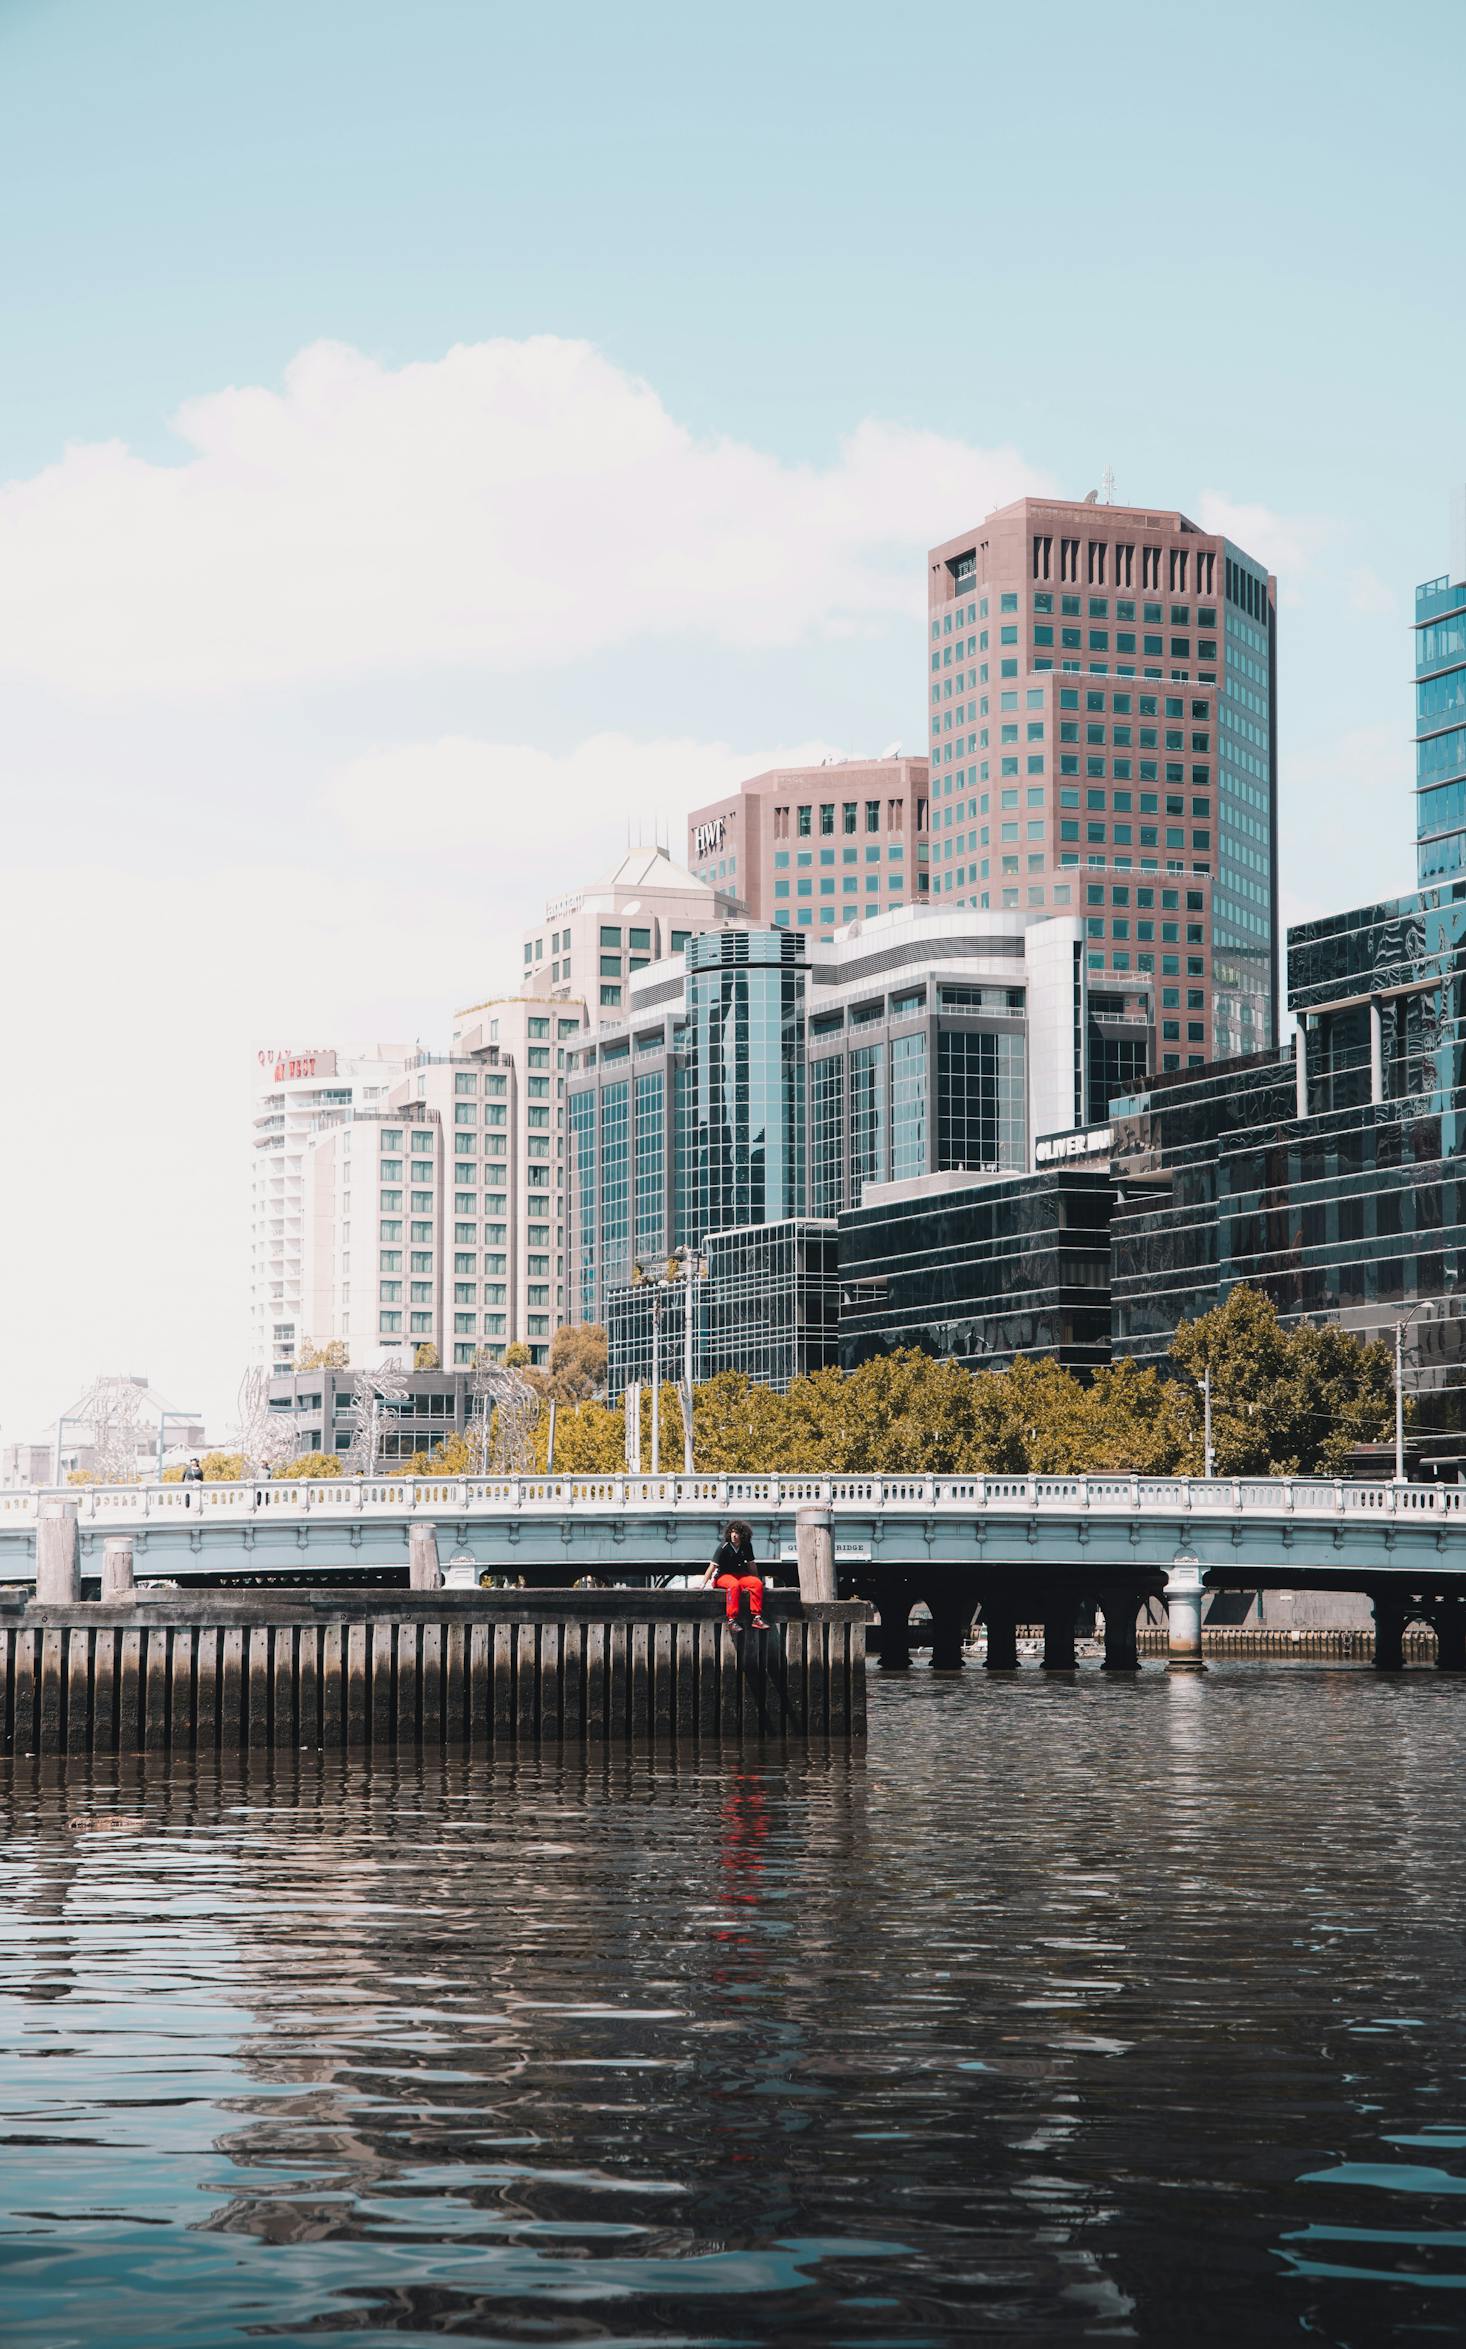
[{"x": 733, "y": 1570}]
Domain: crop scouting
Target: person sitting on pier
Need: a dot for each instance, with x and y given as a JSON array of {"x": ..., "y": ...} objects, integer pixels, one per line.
[{"x": 732, "y": 1568}]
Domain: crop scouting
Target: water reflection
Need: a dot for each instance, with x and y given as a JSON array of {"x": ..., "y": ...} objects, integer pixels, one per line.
[{"x": 1092, "y": 2011}]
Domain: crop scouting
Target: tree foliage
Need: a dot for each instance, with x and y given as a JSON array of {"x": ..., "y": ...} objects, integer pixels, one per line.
[
  {"x": 426, "y": 1356},
  {"x": 311, "y": 1466},
  {"x": 577, "y": 1365},
  {"x": 1285, "y": 1401},
  {"x": 333, "y": 1356}
]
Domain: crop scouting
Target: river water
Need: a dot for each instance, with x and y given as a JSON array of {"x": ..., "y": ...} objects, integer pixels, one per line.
[{"x": 1083, "y": 2009}]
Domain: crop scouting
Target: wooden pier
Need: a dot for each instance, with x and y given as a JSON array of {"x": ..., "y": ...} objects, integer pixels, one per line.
[{"x": 212, "y": 1673}]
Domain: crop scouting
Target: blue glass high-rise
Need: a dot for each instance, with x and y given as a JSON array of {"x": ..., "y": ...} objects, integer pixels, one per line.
[{"x": 1440, "y": 725}]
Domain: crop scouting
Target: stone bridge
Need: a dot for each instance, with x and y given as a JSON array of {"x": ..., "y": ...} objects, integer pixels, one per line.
[{"x": 1019, "y": 1548}]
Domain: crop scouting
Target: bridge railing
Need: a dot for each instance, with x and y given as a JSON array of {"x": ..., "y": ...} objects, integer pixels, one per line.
[{"x": 200, "y": 1506}]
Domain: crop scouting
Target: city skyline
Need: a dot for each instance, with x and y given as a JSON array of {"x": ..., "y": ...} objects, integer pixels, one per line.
[{"x": 288, "y": 674}]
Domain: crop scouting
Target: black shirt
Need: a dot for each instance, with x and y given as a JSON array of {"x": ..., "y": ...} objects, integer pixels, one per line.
[{"x": 730, "y": 1558}]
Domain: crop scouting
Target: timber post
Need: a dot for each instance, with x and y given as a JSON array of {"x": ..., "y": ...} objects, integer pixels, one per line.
[
  {"x": 423, "y": 1569},
  {"x": 58, "y": 1554},
  {"x": 814, "y": 1534},
  {"x": 119, "y": 1582}
]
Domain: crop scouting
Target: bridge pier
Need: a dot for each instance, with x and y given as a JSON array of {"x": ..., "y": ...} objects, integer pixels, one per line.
[
  {"x": 1060, "y": 1611},
  {"x": 951, "y": 1623},
  {"x": 894, "y": 1597},
  {"x": 1389, "y": 1636},
  {"x": 1000, "y": 1616},
  {"x": 1449, "y": 1619},
  {"x": 1120, "y": 1609}
]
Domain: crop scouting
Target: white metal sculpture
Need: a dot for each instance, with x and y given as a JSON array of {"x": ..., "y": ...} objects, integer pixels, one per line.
[{"x": 266, "y": 1437}]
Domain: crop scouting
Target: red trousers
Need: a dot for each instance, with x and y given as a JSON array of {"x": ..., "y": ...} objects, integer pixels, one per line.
[{"x": 735, "y": 1585}]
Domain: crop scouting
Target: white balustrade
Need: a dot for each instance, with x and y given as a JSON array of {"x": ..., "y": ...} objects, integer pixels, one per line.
[{"x": 179, "y": 1506}]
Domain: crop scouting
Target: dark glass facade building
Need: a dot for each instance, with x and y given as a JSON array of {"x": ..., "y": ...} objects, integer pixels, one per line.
[
  {"x": 981, "y": 1272},
  {"x": 769, "y": 1306},
  {"x": 1332, "y": 1179}
]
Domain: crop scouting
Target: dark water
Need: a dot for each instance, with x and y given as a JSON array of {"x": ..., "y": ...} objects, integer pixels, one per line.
[{"x": 1085, "y": 2011}]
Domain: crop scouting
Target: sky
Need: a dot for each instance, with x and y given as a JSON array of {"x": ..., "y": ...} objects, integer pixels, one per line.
[{"x": 418, "y": 414}]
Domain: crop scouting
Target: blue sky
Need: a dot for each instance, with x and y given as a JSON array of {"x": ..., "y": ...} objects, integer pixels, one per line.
[{"x": 754, "y": 305}]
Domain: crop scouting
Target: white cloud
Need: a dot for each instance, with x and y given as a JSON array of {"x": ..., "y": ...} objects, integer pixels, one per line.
[
  {"x": 1288, "y": 544},
  {"x": 511, "y": 504},
  {"x": 547, "y": 811}
]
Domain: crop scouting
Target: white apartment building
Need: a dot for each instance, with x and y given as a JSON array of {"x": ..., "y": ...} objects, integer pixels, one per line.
[
  {"x": 592, "y": 939},
  {"x": 439, "y": 1218},
  {"x": 298, "y": 1091}
]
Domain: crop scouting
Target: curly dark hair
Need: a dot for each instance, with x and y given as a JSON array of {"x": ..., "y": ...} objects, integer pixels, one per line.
[{"x": 739, "y": 1534}]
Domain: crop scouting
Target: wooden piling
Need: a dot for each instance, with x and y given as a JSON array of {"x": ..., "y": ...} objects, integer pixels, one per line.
[{"x": 219, "y": 1673}]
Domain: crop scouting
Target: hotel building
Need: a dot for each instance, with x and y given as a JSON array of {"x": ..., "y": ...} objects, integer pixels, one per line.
[
  {"x": 811, "y": 848},
  {"x": 1103, "y": 745},
  {"x": 439, "y": 1218},
  {"x": 297, "y": 1092}
]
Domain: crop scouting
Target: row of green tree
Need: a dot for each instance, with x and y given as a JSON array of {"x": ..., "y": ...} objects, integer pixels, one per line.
[{"x": 1285, "y": 1401}]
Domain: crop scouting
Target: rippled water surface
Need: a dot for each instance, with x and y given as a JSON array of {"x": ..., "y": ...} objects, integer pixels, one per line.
[{"x": 1082, "y": 2009}]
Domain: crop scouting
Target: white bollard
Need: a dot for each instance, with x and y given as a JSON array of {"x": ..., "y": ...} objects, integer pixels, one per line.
[
  {"x": 119, "y": 1585},
  {"x": 1184, "y": 1595},
  {"x": 814, "y": 1534},
  {"x": 423, "y": 1570},
  {"x": 58, "y": 1554}
]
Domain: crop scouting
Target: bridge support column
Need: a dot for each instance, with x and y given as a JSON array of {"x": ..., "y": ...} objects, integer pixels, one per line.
[
  {"x": 423, "y": 1570},
  {"x": 1450, "y": 1636},
  {"x": 1184, "y": 1595},
  {"x": 119, "y": 1584},
  {"x": 1122, "y": 1650},
  {"x": 1000, "y": 1619},
  {"x": 1060, "y": 1610},
  {"x": 893, "y": 1603},
  {"x": 1389, "y": 1637},
  {"x": 814, "y": 1534},
  {"x": 58, "y": 1554},
  {"x": 951, "y": 1623}
]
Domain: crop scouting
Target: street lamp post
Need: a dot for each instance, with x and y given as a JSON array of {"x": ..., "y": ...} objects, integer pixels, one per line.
[
  {"x": 684, "y": 1266},
  {"x": 1427, "y": 1306}
]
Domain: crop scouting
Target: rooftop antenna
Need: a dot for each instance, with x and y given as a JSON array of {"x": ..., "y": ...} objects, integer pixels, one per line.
[{"x": 1107, "y": 485}]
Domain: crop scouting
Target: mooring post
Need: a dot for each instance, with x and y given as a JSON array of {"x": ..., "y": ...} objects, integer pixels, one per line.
[
  {"x": 814, "y": 1534},
  {"x": 423, "y": 1570},
  {"x": 58, "y": 1554},
  {"x": 119, "y": 1585},
  {"x": 1184, "y": 1594},
  {"x": 1389, "y": 1636}
]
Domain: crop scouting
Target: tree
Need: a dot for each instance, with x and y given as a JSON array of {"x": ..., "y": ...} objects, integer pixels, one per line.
[
  {"x": 311, "y": 1466},
  {"x": 590, "y": 1440},
  {"x": 577, "y": 1367},
  {"x": 426, "y": 1357},
  {"x": 335, "y": 1355},
  {"x": 516, "y": 1355},
  {"x": 1285, "y": 1401}
]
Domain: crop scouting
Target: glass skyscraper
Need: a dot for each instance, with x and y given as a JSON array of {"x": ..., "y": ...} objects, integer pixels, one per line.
[{"x": 1440, "y": 724}]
